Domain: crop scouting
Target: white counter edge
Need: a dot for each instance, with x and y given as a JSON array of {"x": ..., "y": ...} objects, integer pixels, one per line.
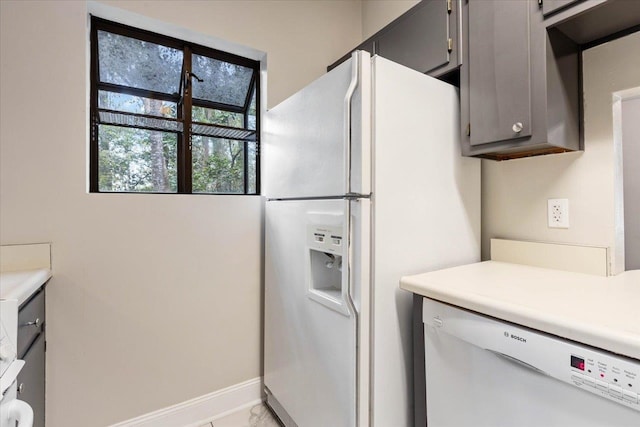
[{"x": 616, "y": 341}]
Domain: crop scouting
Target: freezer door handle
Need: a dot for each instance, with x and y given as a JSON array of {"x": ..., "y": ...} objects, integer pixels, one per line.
[{"x": 347, "y": 121}]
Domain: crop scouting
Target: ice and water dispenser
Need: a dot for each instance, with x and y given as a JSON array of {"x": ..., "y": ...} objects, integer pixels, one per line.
[{"x": 327, "y": 278}]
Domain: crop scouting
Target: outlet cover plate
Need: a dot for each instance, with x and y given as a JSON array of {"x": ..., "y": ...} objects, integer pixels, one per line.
[{"x": 558, "y": 213}]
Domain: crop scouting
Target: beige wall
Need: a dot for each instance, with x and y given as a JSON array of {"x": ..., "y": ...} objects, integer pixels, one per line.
[
  {"x": 515, "y": 192},
  {"x": 378, "y": 13},
  {"x": 155, "y": 299}
]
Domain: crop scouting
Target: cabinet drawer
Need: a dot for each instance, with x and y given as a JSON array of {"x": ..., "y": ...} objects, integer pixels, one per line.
[{"x": 30, "y": 322}]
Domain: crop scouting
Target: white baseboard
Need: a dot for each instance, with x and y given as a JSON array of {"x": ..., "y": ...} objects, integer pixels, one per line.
[{"x": 203, "y": 408}]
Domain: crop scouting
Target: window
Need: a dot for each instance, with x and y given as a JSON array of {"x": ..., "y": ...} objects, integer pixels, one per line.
[{"x": 168, "y": 116}]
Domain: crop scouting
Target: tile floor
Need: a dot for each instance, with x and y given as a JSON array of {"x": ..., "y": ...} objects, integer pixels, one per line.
[{"x": 256, "y": 416}]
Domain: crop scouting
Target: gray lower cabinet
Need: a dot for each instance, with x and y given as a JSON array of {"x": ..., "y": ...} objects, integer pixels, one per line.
[
  {"x": 31, "y": 380},
  {"x": 519, "y": 83},
  {"x": 426, "y": 38},
  {"x": 31, "y": 349}
]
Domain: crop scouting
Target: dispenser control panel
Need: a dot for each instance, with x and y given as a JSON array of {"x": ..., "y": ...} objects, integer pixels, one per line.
[{"x": 325, "y": 238}]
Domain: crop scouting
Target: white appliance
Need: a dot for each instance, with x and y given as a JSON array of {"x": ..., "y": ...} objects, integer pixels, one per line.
[
  {"x": 364, "y": 183},
  {"x": 12, "y": 410},
  {"x": 484, "y": 372}
]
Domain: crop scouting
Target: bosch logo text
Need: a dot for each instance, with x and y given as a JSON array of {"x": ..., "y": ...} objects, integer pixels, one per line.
[{"x": 514, "y": 337}]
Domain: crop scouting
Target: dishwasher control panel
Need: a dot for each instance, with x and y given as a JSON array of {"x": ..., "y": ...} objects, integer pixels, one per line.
[{"x": 612, "y": 377}]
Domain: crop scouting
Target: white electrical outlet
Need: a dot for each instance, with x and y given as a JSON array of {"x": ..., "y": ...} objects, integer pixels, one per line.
[{"x": 558, "y": 213}]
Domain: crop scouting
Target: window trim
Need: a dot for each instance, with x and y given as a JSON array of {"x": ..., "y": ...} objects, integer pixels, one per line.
[{"x": 184, "y": 113}]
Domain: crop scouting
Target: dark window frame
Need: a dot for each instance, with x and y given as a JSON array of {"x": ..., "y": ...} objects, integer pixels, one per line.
[{"x": 184, "y": 102}]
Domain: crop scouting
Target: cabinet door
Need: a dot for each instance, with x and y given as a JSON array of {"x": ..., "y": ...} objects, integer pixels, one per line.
[
  {"x": 499, "y": 70},
  {"x": 419, "y": 40},
  {"x": 549, "y": 6},
  {"x": 31, "y": 380}
]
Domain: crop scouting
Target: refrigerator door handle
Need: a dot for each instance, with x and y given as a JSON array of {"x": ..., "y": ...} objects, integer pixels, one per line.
[
  {"x": 347, "y": 121},
  {"x": 347, "y": 292}
]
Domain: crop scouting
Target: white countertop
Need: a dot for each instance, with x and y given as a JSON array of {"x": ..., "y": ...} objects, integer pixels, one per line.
[
  {"x": 21, "y": 285},
  {"x": 599, "y": 311}
]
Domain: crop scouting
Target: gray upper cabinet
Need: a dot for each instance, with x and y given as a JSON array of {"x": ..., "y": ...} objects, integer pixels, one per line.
[
  {"x": 592, "y": 21},
  {"x": 426, "y": 38},
  {"x": 519, "y": 83},
  {"x": 420, "y": 40},
  {"x": 517, "y": 63},
  {"x": 368, "y": 45},
  {"x": 550, "y": 6},
  {"x": 499, "y": 67}
]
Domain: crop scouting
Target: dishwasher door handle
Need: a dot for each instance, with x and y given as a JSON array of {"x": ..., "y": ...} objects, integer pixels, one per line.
[{"x": 517, "y": 361}]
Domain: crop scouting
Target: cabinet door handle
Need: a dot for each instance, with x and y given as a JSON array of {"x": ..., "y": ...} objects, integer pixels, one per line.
[
  {"x": 517, "y": 127},
  {"x": 35, "y": 323}
]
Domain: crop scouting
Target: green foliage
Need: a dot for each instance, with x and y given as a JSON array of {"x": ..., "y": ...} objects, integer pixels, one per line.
[
  {"x": 217, "y": 117},
  {"x": 125, "y": 163},
  {"x": 218, "y": 165}
]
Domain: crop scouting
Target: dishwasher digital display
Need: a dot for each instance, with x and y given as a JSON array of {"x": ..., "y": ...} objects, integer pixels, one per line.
[{"x": 577, "y": 362}]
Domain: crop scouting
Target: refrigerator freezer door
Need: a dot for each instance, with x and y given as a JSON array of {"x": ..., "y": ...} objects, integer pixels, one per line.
[
  {"x": 310, "y": 345},
  {"x": 306, "y": 153}
]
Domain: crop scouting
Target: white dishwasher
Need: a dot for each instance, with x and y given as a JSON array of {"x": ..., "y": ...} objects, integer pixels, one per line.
[{"x": 484, "y": 372}]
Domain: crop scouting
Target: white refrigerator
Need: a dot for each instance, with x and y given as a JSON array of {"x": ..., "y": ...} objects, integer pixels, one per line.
[{"x": 364, "y": 183}]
